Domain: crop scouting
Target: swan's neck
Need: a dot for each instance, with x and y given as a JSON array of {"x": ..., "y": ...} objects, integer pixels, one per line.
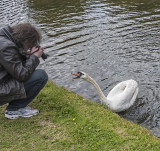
[{"x": 98, "y": 89}]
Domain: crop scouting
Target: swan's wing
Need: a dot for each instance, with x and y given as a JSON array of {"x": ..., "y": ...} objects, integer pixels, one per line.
[
  {"x": 123, "y": 95},
  {"x": 134, "y": 97}
]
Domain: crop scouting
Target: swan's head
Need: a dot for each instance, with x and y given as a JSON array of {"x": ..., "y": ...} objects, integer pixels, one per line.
[{"x": 81, "y": 75}]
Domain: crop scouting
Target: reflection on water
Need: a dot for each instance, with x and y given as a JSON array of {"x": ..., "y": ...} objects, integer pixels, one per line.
[{"x": 110, "y": 40}]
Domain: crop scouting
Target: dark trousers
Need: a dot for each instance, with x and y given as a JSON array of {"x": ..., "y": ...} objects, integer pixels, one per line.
[{"x": 32, "y": 86}]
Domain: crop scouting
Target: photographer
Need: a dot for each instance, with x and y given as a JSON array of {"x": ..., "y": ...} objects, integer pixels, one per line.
[{"x": 19, "y": 81}]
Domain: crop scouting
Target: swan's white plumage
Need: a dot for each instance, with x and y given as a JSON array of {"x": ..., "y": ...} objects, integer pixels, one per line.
[{"x": 120, "y": 98}]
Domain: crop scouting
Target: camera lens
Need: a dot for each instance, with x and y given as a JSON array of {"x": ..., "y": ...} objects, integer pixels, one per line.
[{"x": 44, "y": 56}]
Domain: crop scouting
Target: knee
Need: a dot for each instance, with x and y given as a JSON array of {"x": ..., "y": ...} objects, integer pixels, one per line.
[
  {"x": 41, "y": 75},
  {"x": 38, "y": 77}
]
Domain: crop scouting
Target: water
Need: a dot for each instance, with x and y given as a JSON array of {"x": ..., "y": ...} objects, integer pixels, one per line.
[{"x": 110, "y": 40}]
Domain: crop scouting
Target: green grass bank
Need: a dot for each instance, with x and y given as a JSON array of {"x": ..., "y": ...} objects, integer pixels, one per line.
[{"x": 69, "y": 122}]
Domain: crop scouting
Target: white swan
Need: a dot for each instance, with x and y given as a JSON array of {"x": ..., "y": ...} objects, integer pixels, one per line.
[{"x": 120, "y": 98}]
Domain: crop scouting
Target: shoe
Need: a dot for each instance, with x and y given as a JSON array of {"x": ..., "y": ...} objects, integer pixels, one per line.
[{"x": 22, "y": 112}]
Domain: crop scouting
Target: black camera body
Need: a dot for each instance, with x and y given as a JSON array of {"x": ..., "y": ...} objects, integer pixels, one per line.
[{"x": 44, "y": 55}]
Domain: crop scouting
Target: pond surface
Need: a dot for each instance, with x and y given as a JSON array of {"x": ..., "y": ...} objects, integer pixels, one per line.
[{"x": 111, "y": 40}]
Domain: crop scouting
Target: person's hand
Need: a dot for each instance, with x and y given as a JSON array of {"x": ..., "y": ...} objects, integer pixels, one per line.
[{"x": 39, "y": 52}]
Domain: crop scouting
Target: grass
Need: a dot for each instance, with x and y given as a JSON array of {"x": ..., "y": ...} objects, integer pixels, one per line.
[{"x": 69, "y": 122}]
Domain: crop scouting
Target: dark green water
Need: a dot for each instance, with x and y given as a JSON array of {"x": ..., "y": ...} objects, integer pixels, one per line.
[{"x": 111, "y": 40}]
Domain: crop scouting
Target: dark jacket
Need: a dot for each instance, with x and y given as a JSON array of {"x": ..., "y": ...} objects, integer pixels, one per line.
[{"x": 15, "y": 69}]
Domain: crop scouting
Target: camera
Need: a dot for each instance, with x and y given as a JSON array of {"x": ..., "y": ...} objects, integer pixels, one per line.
[{"x": 44, "y": 55}]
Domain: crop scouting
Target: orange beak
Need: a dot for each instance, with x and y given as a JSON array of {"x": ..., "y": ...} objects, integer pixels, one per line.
[{"x": 77, "y": 75}]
